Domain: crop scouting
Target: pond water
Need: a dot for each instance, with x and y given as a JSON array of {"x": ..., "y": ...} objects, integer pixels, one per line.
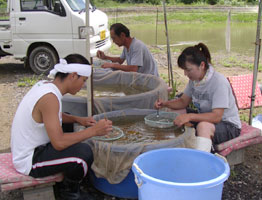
[
  {"x": 243, "y": 36},
  {"x": 114, "y": 90},
  {"x": 136, "y": 131}
]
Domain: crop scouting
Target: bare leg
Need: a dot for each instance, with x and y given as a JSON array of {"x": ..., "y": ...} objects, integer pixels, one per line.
[{"x": 205, "y": 131}]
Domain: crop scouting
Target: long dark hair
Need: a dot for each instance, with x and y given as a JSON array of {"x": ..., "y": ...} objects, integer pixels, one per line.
[
  {"x": 72, "y": 58},
  {"x": 195, "y": 55}
]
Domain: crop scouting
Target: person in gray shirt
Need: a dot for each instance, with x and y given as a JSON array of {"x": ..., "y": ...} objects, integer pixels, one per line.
[
  {"x": 216, "y": 118},
  {"x": 135, "y": 52}
]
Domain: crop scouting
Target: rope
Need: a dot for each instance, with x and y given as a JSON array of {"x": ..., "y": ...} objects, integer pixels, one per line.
[
  {"x": 218, "y": 155},
  {"x": 136, "y": 178}
]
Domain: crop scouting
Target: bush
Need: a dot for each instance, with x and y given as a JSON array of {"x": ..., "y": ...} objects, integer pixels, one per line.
[
  {"x": 154, "y": 2},
  {"x": 212, "y": 2},
  {"x": 252, "y": 1},
  {"x": 187, "y": 1},
  {"x": 3, "y": 3}
]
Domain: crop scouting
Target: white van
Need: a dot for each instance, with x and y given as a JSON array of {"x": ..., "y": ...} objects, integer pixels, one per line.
[{"x": 42, "y": 31}]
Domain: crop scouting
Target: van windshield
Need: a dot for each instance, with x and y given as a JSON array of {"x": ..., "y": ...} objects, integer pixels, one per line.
[{"x": 78, "y": 5}]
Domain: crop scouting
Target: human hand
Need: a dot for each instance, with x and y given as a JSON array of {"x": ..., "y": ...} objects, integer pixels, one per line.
[
  {"x": 107, "y": 65},
  {"x": 159, "y": 104},
  {"x": 101, "y": 55},
  {"x": 102, "y": 127},
  {"x": 182, "y": 119},
  {"x": 86, "y": 121}
]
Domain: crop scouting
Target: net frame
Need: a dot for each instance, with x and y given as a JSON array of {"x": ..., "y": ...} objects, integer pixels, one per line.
[
  {"x": 149, "y": 119},
  {"x": 104, "y": 138}
]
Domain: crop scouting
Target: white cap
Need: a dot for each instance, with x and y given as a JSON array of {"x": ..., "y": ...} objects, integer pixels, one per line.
[{"x": 63, "y": 67}]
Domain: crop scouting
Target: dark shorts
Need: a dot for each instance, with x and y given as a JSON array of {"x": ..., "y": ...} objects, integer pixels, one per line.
[{"x": 224, "y": 131}]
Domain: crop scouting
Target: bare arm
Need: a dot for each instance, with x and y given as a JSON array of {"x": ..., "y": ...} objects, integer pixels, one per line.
[
  {"x": 66, "y": 118},
  {"x": 127, "y": 68},
  {"x": 213, "y": 117},
  {"x": 101, "y": 55},
  {"x": 48, "y": 107},
  {"x": 115, "y": 59},
  {"x": 175, "y": 104},
  {"x": 85, "y": 121}
]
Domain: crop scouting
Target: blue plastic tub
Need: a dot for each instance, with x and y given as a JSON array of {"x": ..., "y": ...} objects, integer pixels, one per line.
[
  {"x": 125, "y": 189},
  {"x": 128, "y": 188},
  {"x": 178, "y": 173}
]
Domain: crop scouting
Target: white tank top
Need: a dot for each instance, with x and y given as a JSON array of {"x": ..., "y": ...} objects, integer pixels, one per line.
[{"x": 26, "y": 133}]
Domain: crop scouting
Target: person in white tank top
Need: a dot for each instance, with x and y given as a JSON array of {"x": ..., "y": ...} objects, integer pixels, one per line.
[{"x": 38, "y": 143}]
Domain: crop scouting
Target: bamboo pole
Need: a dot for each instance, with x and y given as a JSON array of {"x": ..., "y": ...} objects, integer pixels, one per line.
[
  {"x": 256, "y": 62},
  {"x": 228, "y": 32},
  {"x": 169, "y": 60},
  {"x": 89, "y": 81},
  {"x": 156, "y": 23},
  {"x": 116, "y": 16}
]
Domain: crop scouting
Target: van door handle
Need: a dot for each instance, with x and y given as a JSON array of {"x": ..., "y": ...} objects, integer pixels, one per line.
[{"x": 22, "y": 18}]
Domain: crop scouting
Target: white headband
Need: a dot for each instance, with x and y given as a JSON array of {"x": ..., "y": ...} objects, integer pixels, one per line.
[{"x": 63, "y": 67}]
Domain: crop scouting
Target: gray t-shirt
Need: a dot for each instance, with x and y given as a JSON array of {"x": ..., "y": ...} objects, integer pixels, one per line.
[
  {"x": 214, "y": 93},
  {"x": 139, "y": 55}
]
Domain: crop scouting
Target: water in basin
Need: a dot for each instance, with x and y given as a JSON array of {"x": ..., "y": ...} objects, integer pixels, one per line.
[{"x": 136, "y": 131}]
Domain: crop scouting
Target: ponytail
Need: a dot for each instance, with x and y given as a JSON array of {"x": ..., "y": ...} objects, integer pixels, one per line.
[
  {"x": 195, "y": 55},
  {"x": 204, "y": 50}
]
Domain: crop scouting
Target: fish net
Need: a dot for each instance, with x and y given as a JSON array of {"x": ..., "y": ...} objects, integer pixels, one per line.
[
  {"x": 151, "y": 88},
  {"x": 134, "y": 90},
  {"x": 113, "y": 159}
]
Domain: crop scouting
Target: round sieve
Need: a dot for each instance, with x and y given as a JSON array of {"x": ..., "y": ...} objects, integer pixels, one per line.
[
  {"x": 161, "y": 120},
  {"x": 115, "y": 134}
]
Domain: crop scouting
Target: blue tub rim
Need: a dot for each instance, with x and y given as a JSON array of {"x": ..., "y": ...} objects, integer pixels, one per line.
[{"x": 196, "y": 185}]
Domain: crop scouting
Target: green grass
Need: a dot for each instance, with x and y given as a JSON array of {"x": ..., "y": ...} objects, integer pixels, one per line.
[
  {"x": 176, "y": 84},
  {"x": 29, "y": 81},
  {"x": 174, "y": 91},
  {"x": 244, "y": 114},
  {"x": 199, "y": 17},
  {"x": 4, "y": 17},
  {"x": 251, "y": 66},
  {"x": 244, "y": 17},
  {"x": 114, "y": 4},
  {"x": 184, "y": 17},
  {"x": 157, "y": 50},
  {"x": 233, "y": 173},
  {"x": 164, "y": 77},
  {"x": 236, "y": 62}
]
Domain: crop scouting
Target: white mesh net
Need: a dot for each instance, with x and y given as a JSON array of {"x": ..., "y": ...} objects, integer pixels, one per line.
[{"x": 113, "y": 159}]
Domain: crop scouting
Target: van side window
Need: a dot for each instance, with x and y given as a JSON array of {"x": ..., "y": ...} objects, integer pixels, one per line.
[
  {"x": 76, "y": 5},
  {"x": 53, "y": 6}
]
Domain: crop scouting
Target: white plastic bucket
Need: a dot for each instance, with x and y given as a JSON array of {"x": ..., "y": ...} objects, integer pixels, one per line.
[{"x": 180, "y": 174}]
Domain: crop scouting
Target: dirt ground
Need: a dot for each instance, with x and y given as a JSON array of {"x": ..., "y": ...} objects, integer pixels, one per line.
[{"x": 245, "y": 182}]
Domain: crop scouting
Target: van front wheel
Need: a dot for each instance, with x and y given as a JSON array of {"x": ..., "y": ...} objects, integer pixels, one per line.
[{"x": 42, "y": 59}]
